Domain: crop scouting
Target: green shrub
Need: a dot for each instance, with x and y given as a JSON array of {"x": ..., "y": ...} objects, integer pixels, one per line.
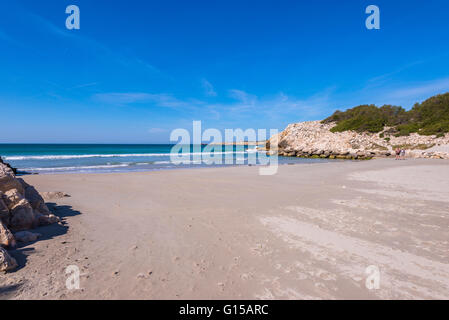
[{"x": 430, "y": 117}]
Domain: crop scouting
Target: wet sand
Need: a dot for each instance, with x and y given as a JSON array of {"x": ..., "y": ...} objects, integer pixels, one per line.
[{"x": 308, "y": 232}]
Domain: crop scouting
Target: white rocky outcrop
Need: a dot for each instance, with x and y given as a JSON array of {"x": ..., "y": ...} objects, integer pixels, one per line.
[
  {"x": 314, "y": 139},
  {"x": 21, "y": 208}
]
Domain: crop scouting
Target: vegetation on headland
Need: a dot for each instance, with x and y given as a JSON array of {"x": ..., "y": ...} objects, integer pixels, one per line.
[
  {"x": 421, "y": 146},
  {"x": 430, "y": 117}
]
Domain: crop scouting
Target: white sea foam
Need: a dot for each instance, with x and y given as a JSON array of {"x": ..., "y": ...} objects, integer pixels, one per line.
[
  {"x": 254, "y": 150},
  {"x": 82, "y": 156},
  {"x": 77, "y": 168},
  {"x": 162, "y": 162},
  {"x": 184, "y": 162}
]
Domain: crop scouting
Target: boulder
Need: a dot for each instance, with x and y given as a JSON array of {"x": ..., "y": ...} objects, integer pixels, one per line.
[
  {"x": 4, "y": 211},
  {"x": 47, "y": 196},
  {"x": 22, "y": 216},
  {"x": 6, "y": 237},
  {"x": 26, "y": 236},
  {"x": 8, "y": 180},
  {"x": 46, "y": 219},
  {"x": 7, "y": 263},
  {"x": 12, "y": 197},
  {"x": 35, "y": 199}
]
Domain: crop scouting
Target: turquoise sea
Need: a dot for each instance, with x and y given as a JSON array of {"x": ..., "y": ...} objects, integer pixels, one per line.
[{"x": 102, "y": 158}]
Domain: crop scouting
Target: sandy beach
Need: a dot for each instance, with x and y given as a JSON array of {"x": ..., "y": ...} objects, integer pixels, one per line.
[{"x": 308, "y": 232}]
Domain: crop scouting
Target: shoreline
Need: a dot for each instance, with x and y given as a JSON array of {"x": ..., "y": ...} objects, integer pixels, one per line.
[
  {"x": 206, "y": 166},
  {"x": 21, "y": 174},
  {"x": 308, "y": 232},
  {"x": 318, "y": 143}
]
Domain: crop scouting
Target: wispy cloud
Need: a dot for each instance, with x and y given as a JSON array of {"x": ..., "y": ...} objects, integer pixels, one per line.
[
  {"x": 147, "y": 65},
  {"x": 421, "y": 90},
  {"x": 169, "y": 101},
  {"x": 404, "y": 94},
  {"x": 281, "y": 105},
  {"x": 209, "y": 89},
  {"x": 246, "y": 105},
  {"x": 157, "y": 130},
  {"x": 280, "y": 108},
  {"x": 158, "y": 99},
  {"x": 7, "y": 38},
  {"x": 388, "y": 89},
  {"x": 84, "y": 85},
  {"x": 100, "y": 49},
  {"x": 242, "y": 96},
  {"x": 400, "y": 93},
  {"x": 381, "y": 79},
  {"x": 51, "y": 27},
  {"x": 123, "y": 98}
]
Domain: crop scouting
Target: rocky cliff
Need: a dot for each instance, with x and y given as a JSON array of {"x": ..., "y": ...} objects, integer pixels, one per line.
[
  {"x": 21, "y": 208},
  {"x": 315, "y": 139}
]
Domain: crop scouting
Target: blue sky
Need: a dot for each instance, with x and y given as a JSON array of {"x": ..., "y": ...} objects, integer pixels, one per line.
[{"x": 138, "y": 69}]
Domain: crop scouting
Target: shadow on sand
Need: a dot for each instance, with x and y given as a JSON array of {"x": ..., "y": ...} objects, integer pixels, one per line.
[
  {"x": 8, "y": 291},
  {"x": 23, "y": 250}
]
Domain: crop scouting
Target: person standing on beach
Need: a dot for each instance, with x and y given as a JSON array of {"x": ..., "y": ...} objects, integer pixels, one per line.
[
  {"x": 398, "y": 152},
  {"x": 402, "y": 154}
]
